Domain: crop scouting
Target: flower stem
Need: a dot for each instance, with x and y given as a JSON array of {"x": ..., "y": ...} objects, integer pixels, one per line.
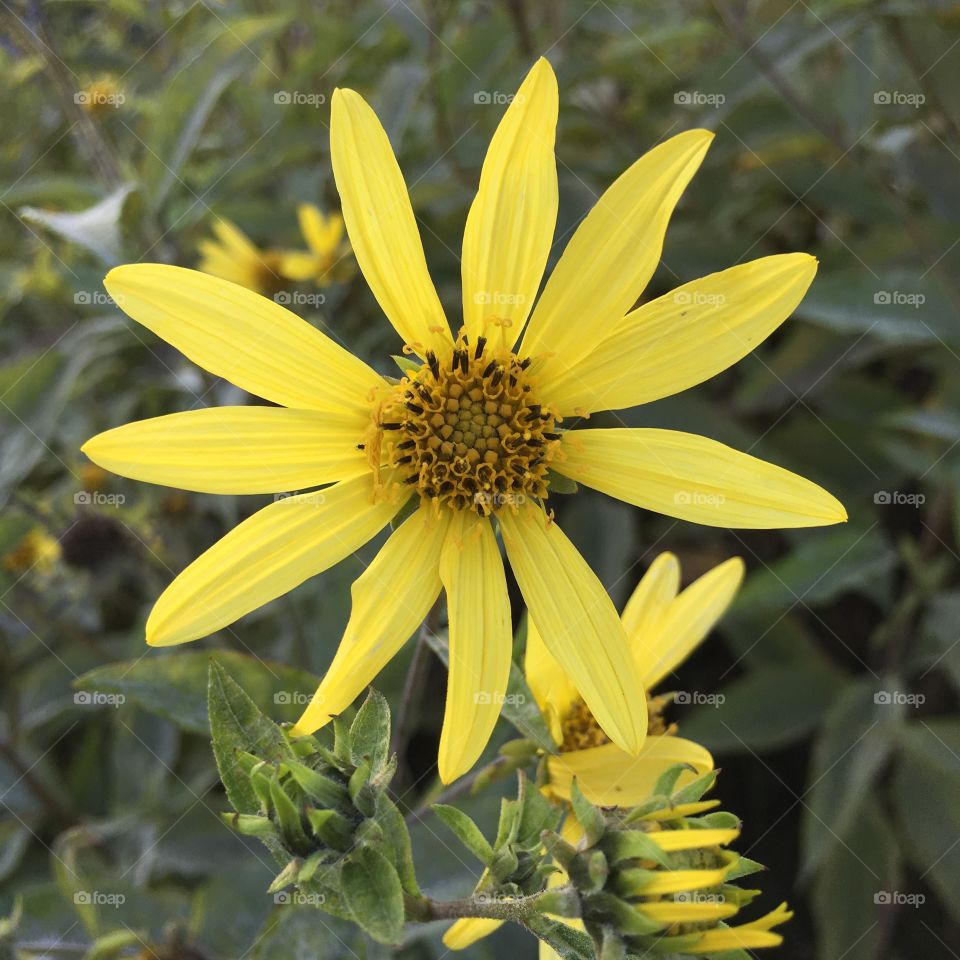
[{"x": 518, "y": 909}]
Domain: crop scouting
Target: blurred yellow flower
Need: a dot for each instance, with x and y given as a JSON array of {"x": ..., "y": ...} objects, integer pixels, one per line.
[
  {"x": 328, "y": 257},
  {"x": 471, "y": 434},
  {"x": 36, "y": 551},
  {"x": 234, "y": 257}
]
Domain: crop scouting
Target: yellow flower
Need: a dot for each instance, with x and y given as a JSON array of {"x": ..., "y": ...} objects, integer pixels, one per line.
[
  {"x": 37, "y": 550},
  {"x": 473, "y": 432},
  {"x": 233, "y": 256},
  {"x": 328, "y": 256},
  {"x": 663, "y": 627}
]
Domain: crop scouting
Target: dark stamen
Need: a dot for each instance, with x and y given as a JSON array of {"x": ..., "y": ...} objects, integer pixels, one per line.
[
  {"x": 433, "y": 363},
  {"x": 481, "y": 343}
]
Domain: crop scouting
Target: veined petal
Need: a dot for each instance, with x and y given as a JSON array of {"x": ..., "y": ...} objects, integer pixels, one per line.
[
  {"x": 685, "y": 336},
  {"x": 243, "y": 337},
  {"x": 678, "y": 881},
  {"x": 481, "y": 641},
  {"x": 693, "y": 839},
  {"x": 270, "y": 553},
  {"x": 553, "y": 690},
  {"x": 467, "y": 931},
  {"x": 611, "y": 778},
  {"x": 511, "y": 221},
  {"x": 235, "y": 450},
  {"x": 647, "y": 605},
  {"x": 578, "y": 623},
  {"x": 678, "y": 911},
  {"x": 390, "y": 600},
  {"x": 694, "y": 478},
  {"x": 612, "y": 255},
  {"x": 688, "y": 620},
  {"x": 381, "y": 224}
]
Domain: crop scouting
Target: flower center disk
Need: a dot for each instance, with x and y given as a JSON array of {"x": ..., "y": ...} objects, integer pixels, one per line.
[{"x": 467, "y": 431}]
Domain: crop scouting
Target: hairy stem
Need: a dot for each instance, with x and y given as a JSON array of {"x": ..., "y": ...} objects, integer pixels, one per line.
[{"x": 518, "y": 909}]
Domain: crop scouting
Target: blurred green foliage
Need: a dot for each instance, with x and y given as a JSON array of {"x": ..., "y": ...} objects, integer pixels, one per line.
[{"x": 131, "y": 124}]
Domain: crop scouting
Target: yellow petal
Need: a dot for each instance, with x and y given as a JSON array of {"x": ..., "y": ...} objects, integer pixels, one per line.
[
  {"x": 235, "y": 450},
  {"x": 692, "y": 839},
  {"x": 688, "y": 620},
  {"x": 467, "y": 931},
  {"x": 693, "y": 478},
  {"x": 612, "y": 255},
  {"x": 298, "y": 265},
  {"x": 731, "y": 938},
  {"x": 611, "y": 778},
  {"x": 390, "y": 600},
  {"x": 234, "y": 240},
  {"x": 511, "y": 222},
  {"x": 680, "y": 911},
  {"x": 553, "y": 690},
  {"x": 678, "y": 881},
  {"x": 381, "y": 225},
  {"x": 647, "y": 605},
  {"x": 243, "y": 337},
  {"x": 578, "y": 622},
  {"x": 685, "y": 336},
  {"x": 322, "y": 234},
  {"x": 481, "y": 641},
  {"x": 264, "y": 557}
]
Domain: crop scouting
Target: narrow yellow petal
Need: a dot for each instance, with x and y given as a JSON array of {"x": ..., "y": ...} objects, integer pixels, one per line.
[
  {"x": 578, "y": 622},
  {"x": 390, "y": 600},
  {"x": 298, "y": 265},
  {"x": 685, "y": 336},
  {"x": 235, "y": 241},
  {"x": 243, "y": 337},
  {"x": 612, "y": 255},
  {"x": 731, "y": 938},
  {"x": 481, "y": 641},
  {"x": 267, "y": 555},
  {"x": 235, "y": 450},
  {"x": 553, "y": 690},
  {"x": 381, "y": 224},
  {"x": 688, "y": 620},
  {"x": 677, "y": 911},
  {"x": 693, "y": 478},
  {"x": 511, "y": 222},
  {"x": 314, "y": 227},
  {"x": 468, "y": 931},
  {"x": 647, "y": 605},
  {"x": 683, "y": 810},
  {"x": 612, "y": 778},
  {"x": 693, "y": 839},
  {"x": 677, "y": 881}
]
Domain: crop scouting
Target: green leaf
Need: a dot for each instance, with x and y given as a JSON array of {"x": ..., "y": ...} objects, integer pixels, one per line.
[
  {"x": 588, "y": 816},
  {"x": 317, "y": 787},
  {"x": 570, "y": 944},
  {"x": 468, "y": 833},
  {"x": 855, "y": 740},
  {"x": 174, "y": 685},
  {"x": 398, "y": 840},
  {"x": 373, "y": 894},
  {"x": 237, "y": 724},
  {"x": 370, "y": 732}
]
